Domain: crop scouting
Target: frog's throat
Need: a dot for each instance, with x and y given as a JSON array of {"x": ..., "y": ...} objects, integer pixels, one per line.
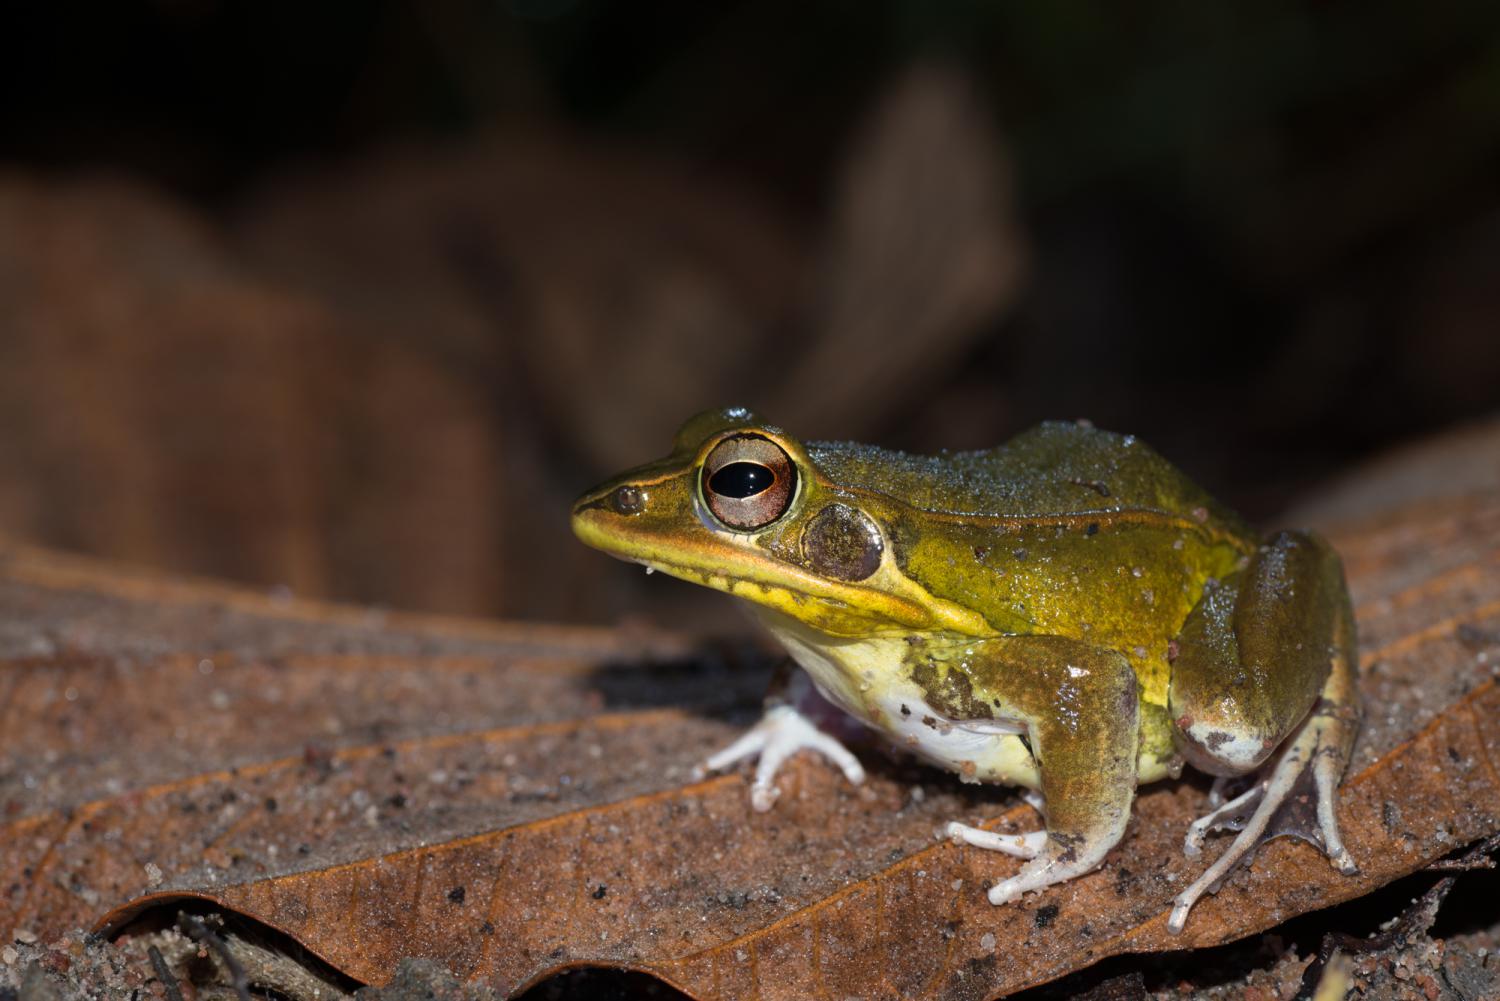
[{"x": 888, "y": 600}]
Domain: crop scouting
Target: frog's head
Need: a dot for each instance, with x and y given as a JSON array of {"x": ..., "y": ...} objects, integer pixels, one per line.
[{"x": 739, "y": 506}]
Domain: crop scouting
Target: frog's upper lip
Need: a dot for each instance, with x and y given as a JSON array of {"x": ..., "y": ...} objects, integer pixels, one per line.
[
  {"x": 642, "y": 477},
  {"x": 598, "y": 526}
]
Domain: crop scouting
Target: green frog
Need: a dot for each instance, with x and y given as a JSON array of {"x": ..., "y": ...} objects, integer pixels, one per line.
[{"x": 1067, "y": 613}]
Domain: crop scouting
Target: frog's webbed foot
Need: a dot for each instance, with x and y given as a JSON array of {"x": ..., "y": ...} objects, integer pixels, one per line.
[
  {"x": 782, "y": 732},
  {"x": 1045, "y": 863},
  {"x": 1045, "y": 870},
  {"x": 1276, "y": 805},
  {"x": 1224, "y": 814}
]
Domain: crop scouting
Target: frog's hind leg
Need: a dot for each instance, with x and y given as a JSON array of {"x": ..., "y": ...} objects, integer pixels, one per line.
[
  {"x": 1267, "y": 636},
  {"x": 1266, "y": 810}
]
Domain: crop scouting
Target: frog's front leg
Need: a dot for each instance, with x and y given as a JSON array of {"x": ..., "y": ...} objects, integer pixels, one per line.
[
  {"x": 1080, "y": 710},
  {"x": 1267, "y": 661},
  {"x": 794, "y": 712}
]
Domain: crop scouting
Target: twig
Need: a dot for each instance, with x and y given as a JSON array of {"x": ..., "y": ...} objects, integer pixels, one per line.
[
  {"x": 199, "y": 932},
  {"x": 1477, "y": 857},
  {"x": 1414, "y": 921},
  {"x": 1459, "y": 865},
  {"x": 1125, "y": 987},
  {"x": 164, "y": 974}
]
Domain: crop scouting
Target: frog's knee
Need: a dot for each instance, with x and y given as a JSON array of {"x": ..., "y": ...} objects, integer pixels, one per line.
[{"x": 1218, "y": 747}]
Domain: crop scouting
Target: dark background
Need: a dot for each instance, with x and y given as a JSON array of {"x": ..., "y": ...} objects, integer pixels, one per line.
[{"x": 352, "y": 298}]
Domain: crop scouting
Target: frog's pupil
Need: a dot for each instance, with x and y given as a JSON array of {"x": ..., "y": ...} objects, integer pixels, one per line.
[{"x": 741, "y": 479}]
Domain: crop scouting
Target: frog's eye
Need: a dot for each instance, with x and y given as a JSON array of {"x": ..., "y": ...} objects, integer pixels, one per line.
[{"x": 748, "y": 481}]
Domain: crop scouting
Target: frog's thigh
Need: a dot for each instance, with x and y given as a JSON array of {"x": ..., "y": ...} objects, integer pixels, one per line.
[
  {"x": 1254, "y": 654},
  {"x": 1081, "y": 712}
]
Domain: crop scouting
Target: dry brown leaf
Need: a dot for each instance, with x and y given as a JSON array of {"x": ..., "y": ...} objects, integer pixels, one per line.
[
  {"x": 241, "y": 427},
  {"x": 515, "y": 800}
]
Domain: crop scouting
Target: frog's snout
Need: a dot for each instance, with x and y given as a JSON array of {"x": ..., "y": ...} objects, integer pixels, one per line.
[
  {"x": 624, "y": 499},
  {"x": 601, "y": 513}
]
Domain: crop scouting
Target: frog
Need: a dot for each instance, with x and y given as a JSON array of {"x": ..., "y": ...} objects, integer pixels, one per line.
[{"x": 1067, "y": 613}]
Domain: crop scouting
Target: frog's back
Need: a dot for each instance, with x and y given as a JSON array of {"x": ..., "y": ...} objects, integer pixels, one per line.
[
  {"x": 1056, "y": 468},
  {"x": 1066, "y": 530}
]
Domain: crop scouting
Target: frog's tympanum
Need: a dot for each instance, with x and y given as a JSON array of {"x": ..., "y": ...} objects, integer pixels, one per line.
[{"x": 1067, "y": 613}]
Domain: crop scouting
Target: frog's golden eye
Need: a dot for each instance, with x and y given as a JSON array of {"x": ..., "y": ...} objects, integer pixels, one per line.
[{"x": 748, "y": 481}]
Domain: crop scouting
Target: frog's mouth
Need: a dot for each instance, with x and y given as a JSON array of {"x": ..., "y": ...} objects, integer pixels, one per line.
[
  {"x": 894, "y": 603},
  {"x": 838, "y": 608}
]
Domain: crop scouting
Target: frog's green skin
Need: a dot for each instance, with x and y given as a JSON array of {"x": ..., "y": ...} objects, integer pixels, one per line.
[{"x": 1066, "y": 612}]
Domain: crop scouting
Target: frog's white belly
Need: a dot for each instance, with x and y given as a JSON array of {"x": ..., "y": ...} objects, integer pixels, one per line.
[
  {"x": 866, "y": 679},
  {"x": 979, "y": 750}
]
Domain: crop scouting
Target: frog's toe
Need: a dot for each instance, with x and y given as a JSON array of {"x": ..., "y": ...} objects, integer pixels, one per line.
[
  {"x": 1327, "y": 769},
  {"x": 1344, "y": 862},
  {"x": 1026, "y": 846},
  {"x": 763, "y": 795},
  {"x": 1231, "y": 815},
  {"x": 1039, "y": 873},
  {"x": 747, "y": 745},
  {"x": 782, "y": 732},
  {"x": 1218, "y": 792}
]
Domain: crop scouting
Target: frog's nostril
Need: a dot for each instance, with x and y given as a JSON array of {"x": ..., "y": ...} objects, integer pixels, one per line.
[{"x": 628, "y": 500}]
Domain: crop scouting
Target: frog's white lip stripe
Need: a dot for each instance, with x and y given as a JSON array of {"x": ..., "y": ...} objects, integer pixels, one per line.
[{"x": 730, "y": 585}]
